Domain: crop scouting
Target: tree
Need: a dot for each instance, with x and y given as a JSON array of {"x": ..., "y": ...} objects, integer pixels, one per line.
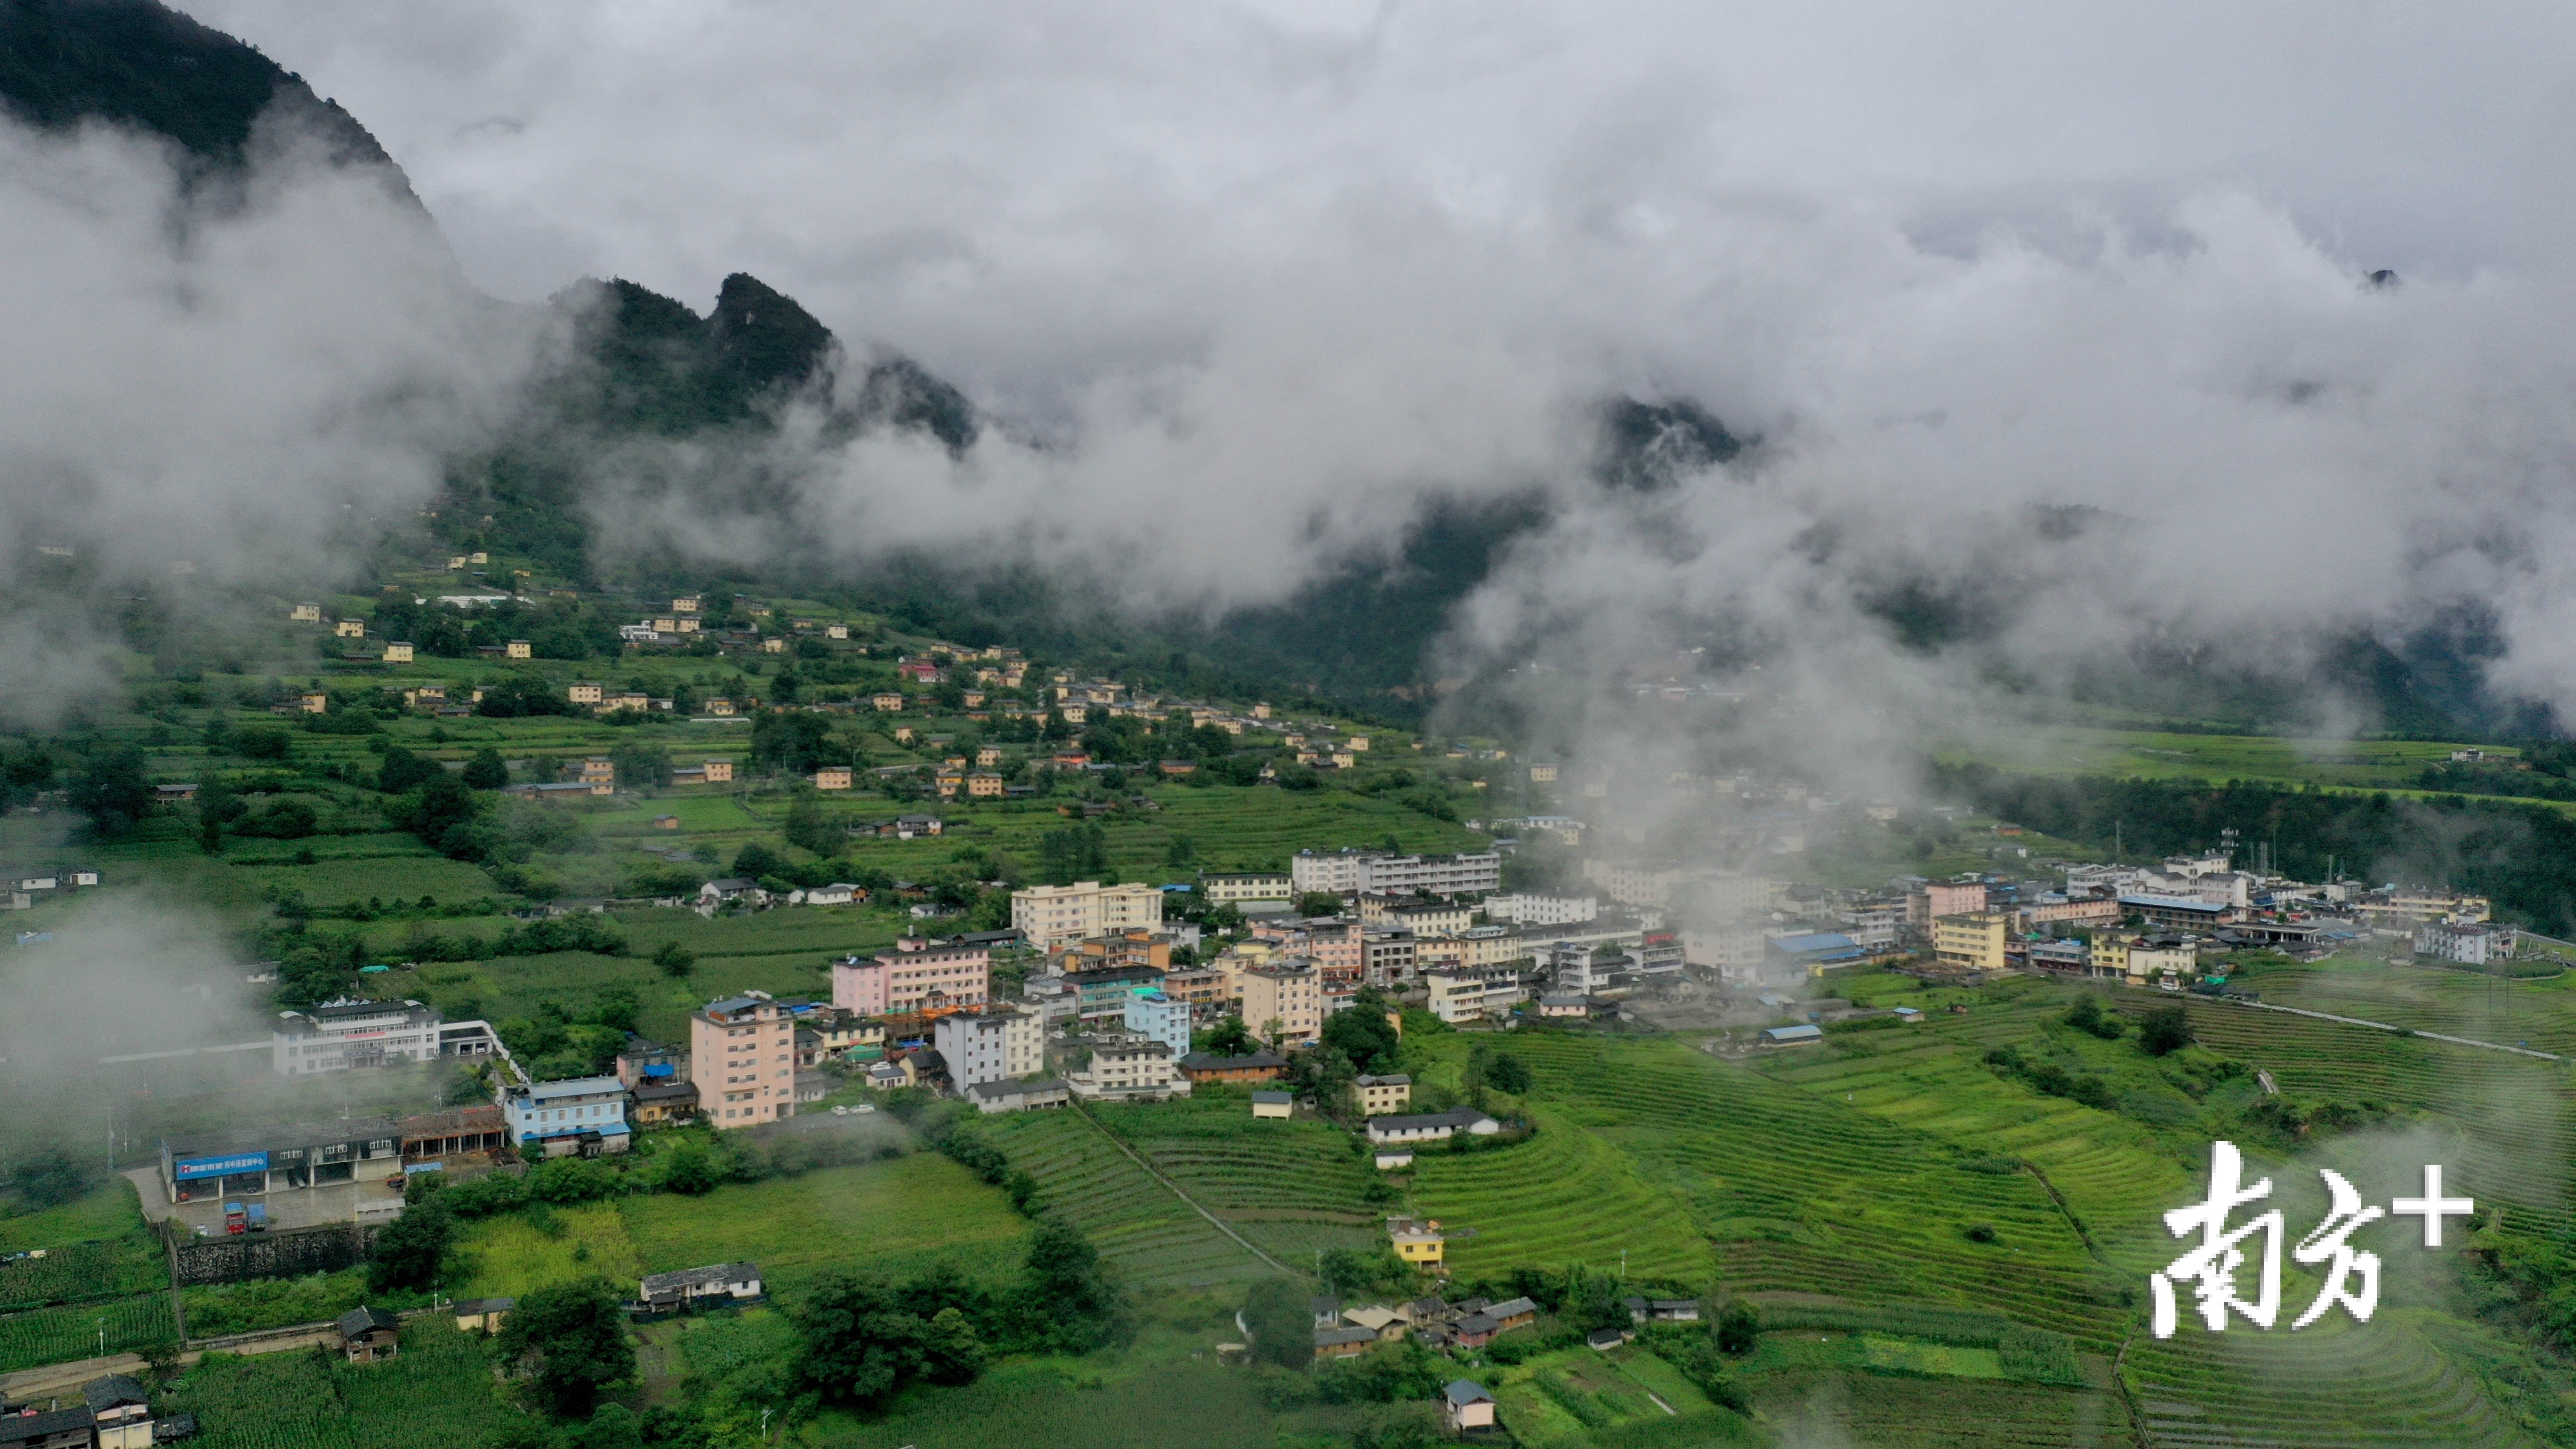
[
  {"x": 51, "y": 1175},
  {"x": 1228, "y": 1038},
  {"x": 951, "y": 1353},
  {"x": 487, "y": 770},
  {"x": 403, "y": 770},
  {"x": 1737, "y": 1328},
  {"x": 1066, "y": 1305},
  {"x": 674, "y": 959},
  {"x": 1508, "y": 1073},
  {"x": 1282, "y": 1322},
  {"x": 112, "y": 791},
  {"x": 689, "y": 1171},
  {"x": 810, "y": 825},
  {"x": 1363, "y": 1033},
  {"x": 1319, "y": 903},
  {"x": 756, "y": 860},
  {"x": 572, "y": 1339},
  {"x": 639, "y": 763},
  {"x": 858, "y": 1341},
  {"x": 217, "y": 807},
  {"x": 412, "y": 1248},
  {"x": 2166, "y": 1030}
]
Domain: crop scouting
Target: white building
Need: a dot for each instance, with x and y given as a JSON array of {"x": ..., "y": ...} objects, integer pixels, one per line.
[
  {"x": 1246, "y": 887},
  {"x": 1472, "y": 993},
  {"x": 994, "y": 1045},
  {"x": 1123, "y": 1066},
  {"x": 1350, "y": 872},
  {"x": 1051, "y": 916},
  {"x": 338, "y": 1035},
  {"x": 2469, "y": 945},
  {"x": 1528, "y": 909}
]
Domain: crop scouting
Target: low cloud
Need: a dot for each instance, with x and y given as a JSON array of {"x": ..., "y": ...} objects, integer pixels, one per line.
[{"x": 214, "y": 380}]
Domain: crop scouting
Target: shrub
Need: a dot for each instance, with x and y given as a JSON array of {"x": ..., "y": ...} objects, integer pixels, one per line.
[{"x": 2166, "y": 1030}]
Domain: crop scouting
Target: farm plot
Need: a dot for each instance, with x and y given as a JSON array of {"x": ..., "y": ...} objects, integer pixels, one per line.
[
  {"x": 2335, "y": 1386},
  {"x": 1136, "y": 1222},
  {"x": 1187, "y": 1402},
  {"x": 2540, "y": 1014},
  {"x": 1565, "y": 1196},
  {"x": 513, "y": 1255},
  {"x": 134, "y": 1263},
  {"x": 84, "y": 1330},
  {"x": 438, "y": 1390},
  {"x": 1806, "y": 1194},
  {"x": 2518, "y": 1135},
  {"x": 1233, "y": 1164},
  {"x": 111, "y": 1211},
  {"x": 895, "y": 1217}
]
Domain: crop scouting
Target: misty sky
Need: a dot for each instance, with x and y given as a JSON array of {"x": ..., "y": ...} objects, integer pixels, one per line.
[
  {"x": 1022, "y": 193},
  {"x": 1248, "y": 286}
]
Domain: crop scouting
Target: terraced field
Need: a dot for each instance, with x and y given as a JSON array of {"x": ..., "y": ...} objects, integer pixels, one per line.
[
  {"x": 2514, "y": 1130},
  {"x": 2540, "y": 1014},
  {"x": 1136, "y": 1222},
  {"x": 2335, "y": 1386},
  {"x": 1566, "y": 1196}
]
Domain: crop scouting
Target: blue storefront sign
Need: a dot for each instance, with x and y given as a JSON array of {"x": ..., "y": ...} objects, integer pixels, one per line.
[{"x": 193, "y": 1167}]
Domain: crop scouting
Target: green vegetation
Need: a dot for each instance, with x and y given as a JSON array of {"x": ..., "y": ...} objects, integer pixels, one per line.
[{"x": 53, "y": 1335}]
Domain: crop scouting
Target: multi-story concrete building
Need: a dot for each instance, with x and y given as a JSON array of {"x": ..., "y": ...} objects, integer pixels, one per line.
[
  {"x": 1053, "y": 915},
  {"x": 584, "y": 1115},
  {"x": 1101, "y": 996},
  {"x": 1203, "y": 987},
  {"x": 996, "y": 1044},
  {"x": 1463, "y": 993},
  {"x": 2168, "y": 961},
  {"x": 1283, "y": 1002},
  {"x": 920, "y": 975},
  {"x": 1389, "y": 957},
  {"x": 1975, "y": 941},
  {"x": 1132, "y": 946},
  {"x": 2469, "y": 945},
  {"x": 340, "y": 1035},
  {"x": 1161, "y": 1016},
  {"x": 742, "y": 1055},
  {"x": 1350, "y": 872},
  {"x": 1247, "y": 886},
  {"x": 1381, "y": 1095},
  {"x": 1121, "y": 1065},
  {"x": 1932, "y": 900},
  {"x": 1528, "y": 909}
]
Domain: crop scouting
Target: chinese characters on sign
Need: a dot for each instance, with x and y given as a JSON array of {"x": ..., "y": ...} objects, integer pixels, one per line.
[{"x": 2352, "y": 1274}]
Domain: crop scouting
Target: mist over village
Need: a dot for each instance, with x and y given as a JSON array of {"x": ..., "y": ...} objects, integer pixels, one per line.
[{"x": 1341, "y": 726}]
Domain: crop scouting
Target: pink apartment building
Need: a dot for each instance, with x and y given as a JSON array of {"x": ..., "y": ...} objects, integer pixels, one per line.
[
  {"x": 919, "y": 975},
  {"x": 742, "y": 1054}
]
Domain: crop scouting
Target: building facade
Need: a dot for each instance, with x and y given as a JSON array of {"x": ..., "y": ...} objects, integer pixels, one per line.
[
  {"x": 742, "y": 1056},
  {"x": 1283, "y": 1003},
  {"x": 583, "y": 1115},
  {"x": 919, "y": 975},
  {"x": 1053, "y": 915},
  {"x": 994, "y": 1045},
  {"x": 1974, "y": 941},
  {"x": 343, "y": 1035},
  {"x": 1161, "y": 1016}
]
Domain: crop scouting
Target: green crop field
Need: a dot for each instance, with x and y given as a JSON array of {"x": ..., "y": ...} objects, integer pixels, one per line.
[
  {"x": 1184, "y": 1403},
  {"x": 111, "y": 1211},
  {"x": 114, "y": 1267},
  {"x": 1139, "y": 1225},
  {"x": 2537, "y": 1013},
  {"x": 438, "y": 1390},
  {"x": 55, "y": 1335},
  {"x": 516, "y": 1253},
  {"x": 894, "y": 1216}
]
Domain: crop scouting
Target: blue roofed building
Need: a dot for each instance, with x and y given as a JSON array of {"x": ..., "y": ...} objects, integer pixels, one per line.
[
  {"x": 585, "y": 1115},
  {"x": 1813, "y": 952}
]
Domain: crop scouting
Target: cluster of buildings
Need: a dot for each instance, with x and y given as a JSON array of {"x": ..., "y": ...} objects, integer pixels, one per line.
[{"x": 23, "y": 889}]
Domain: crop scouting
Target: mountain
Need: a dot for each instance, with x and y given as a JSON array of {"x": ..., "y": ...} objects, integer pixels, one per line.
[{"x": 140, "y": 63}]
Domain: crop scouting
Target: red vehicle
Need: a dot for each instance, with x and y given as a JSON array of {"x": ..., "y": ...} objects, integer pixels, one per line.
[{"x": 235, "y": 1221}]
